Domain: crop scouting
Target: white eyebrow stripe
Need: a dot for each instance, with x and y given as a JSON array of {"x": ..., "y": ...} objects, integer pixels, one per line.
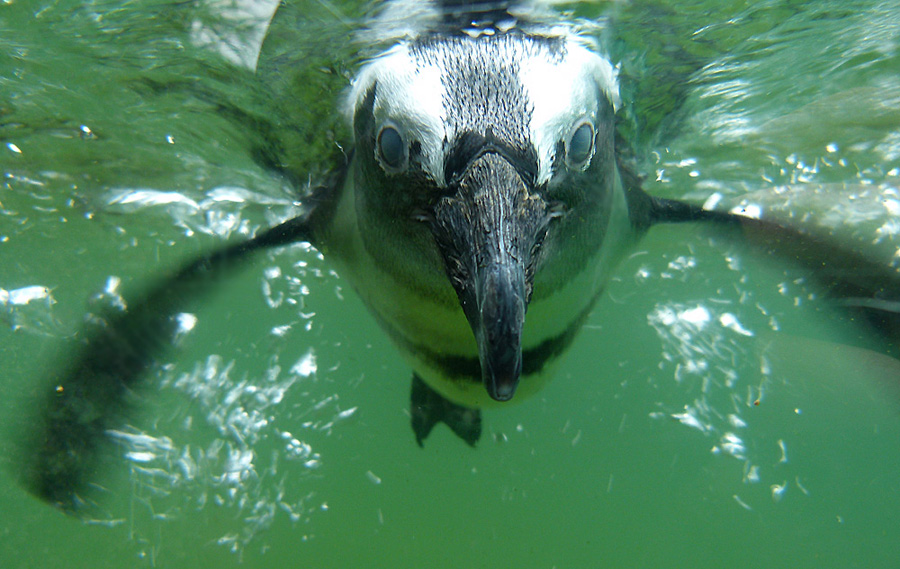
[
  {"x": 563, "y": 91},
  {"x": 410, "y": 95}
]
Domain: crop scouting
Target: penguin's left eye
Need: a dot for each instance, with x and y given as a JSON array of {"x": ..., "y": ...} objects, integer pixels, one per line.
[
  {"x": 391, "y": 148},
  {"x": 581, "y": 144}
]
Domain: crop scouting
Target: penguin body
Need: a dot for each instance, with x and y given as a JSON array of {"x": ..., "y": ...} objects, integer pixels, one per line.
[{"x": 512, "y": 97}]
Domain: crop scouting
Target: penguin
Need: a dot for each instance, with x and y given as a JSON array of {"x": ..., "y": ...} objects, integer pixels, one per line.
[
  {"x": 483, "y": 187},
  {"x": 481, "y": 206}
]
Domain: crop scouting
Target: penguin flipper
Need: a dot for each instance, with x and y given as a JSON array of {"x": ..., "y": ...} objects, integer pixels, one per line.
[
  {"x": 868, "y": 290},
  {"x": 92, "y": 396},
  {"x": 428, "y": 408}
]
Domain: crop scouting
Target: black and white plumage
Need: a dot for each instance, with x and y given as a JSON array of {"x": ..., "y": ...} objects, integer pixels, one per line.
[
  {"x": 505, "y": 157},
  {"x": 482, "y": 209}
]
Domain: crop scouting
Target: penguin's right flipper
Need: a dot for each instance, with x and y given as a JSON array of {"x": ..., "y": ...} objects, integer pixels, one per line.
[
  {"x": 91, "y": 395},
  {"x": 428, "y": 408}
]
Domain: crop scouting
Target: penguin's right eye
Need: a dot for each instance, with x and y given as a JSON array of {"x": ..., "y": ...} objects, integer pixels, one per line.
[{"x": 391, "y": 148}]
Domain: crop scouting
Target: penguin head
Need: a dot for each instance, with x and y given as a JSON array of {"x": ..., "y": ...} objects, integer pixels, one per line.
[{"x": 489, "y": 160}]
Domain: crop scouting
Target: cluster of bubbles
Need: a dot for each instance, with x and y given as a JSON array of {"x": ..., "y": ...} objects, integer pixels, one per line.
[{"x": 251, "y": 466}]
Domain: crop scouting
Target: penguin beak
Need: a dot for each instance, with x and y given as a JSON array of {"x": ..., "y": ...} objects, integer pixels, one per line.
[{"x": 489, "y": 230}]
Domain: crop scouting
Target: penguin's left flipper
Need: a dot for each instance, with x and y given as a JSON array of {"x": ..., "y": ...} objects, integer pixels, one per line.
[
  {"x": 91, "y": 396},
  {"x": 428, "y": 408},
  {"x": 867, "y": 289}
]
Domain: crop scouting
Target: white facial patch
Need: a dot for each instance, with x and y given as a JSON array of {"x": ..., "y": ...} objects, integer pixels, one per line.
[
  {"x": 562, "y": 93},
  {"x": 408, "y": 96}
]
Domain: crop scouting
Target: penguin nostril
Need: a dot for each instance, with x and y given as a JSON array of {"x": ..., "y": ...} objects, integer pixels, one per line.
[
  {"x": 556, "y": 209},
  {"x": 422, "y": 215}
]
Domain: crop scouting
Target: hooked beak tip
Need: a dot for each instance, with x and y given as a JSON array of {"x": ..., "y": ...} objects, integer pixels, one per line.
[
  {"x": 501, "y": 369},
  {"x": 501, "y": 300},
  {"x": 503, "y": 389}
]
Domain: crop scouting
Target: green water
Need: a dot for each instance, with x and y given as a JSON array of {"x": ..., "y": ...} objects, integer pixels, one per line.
[{"x": 278, "y": 434}]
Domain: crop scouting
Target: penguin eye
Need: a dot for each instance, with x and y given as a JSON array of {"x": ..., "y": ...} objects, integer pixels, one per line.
[
  {"x": 391, "y": 148},
  {"x": 581, "y": 144}
]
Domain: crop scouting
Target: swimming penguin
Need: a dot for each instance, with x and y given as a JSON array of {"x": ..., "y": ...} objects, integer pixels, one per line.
[
  {"x": 483, "y": 187},
  {"x": 480, "y": 212}
]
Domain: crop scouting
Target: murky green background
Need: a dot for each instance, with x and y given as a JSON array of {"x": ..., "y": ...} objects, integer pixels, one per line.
[{"x": 278, "y": 434}]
